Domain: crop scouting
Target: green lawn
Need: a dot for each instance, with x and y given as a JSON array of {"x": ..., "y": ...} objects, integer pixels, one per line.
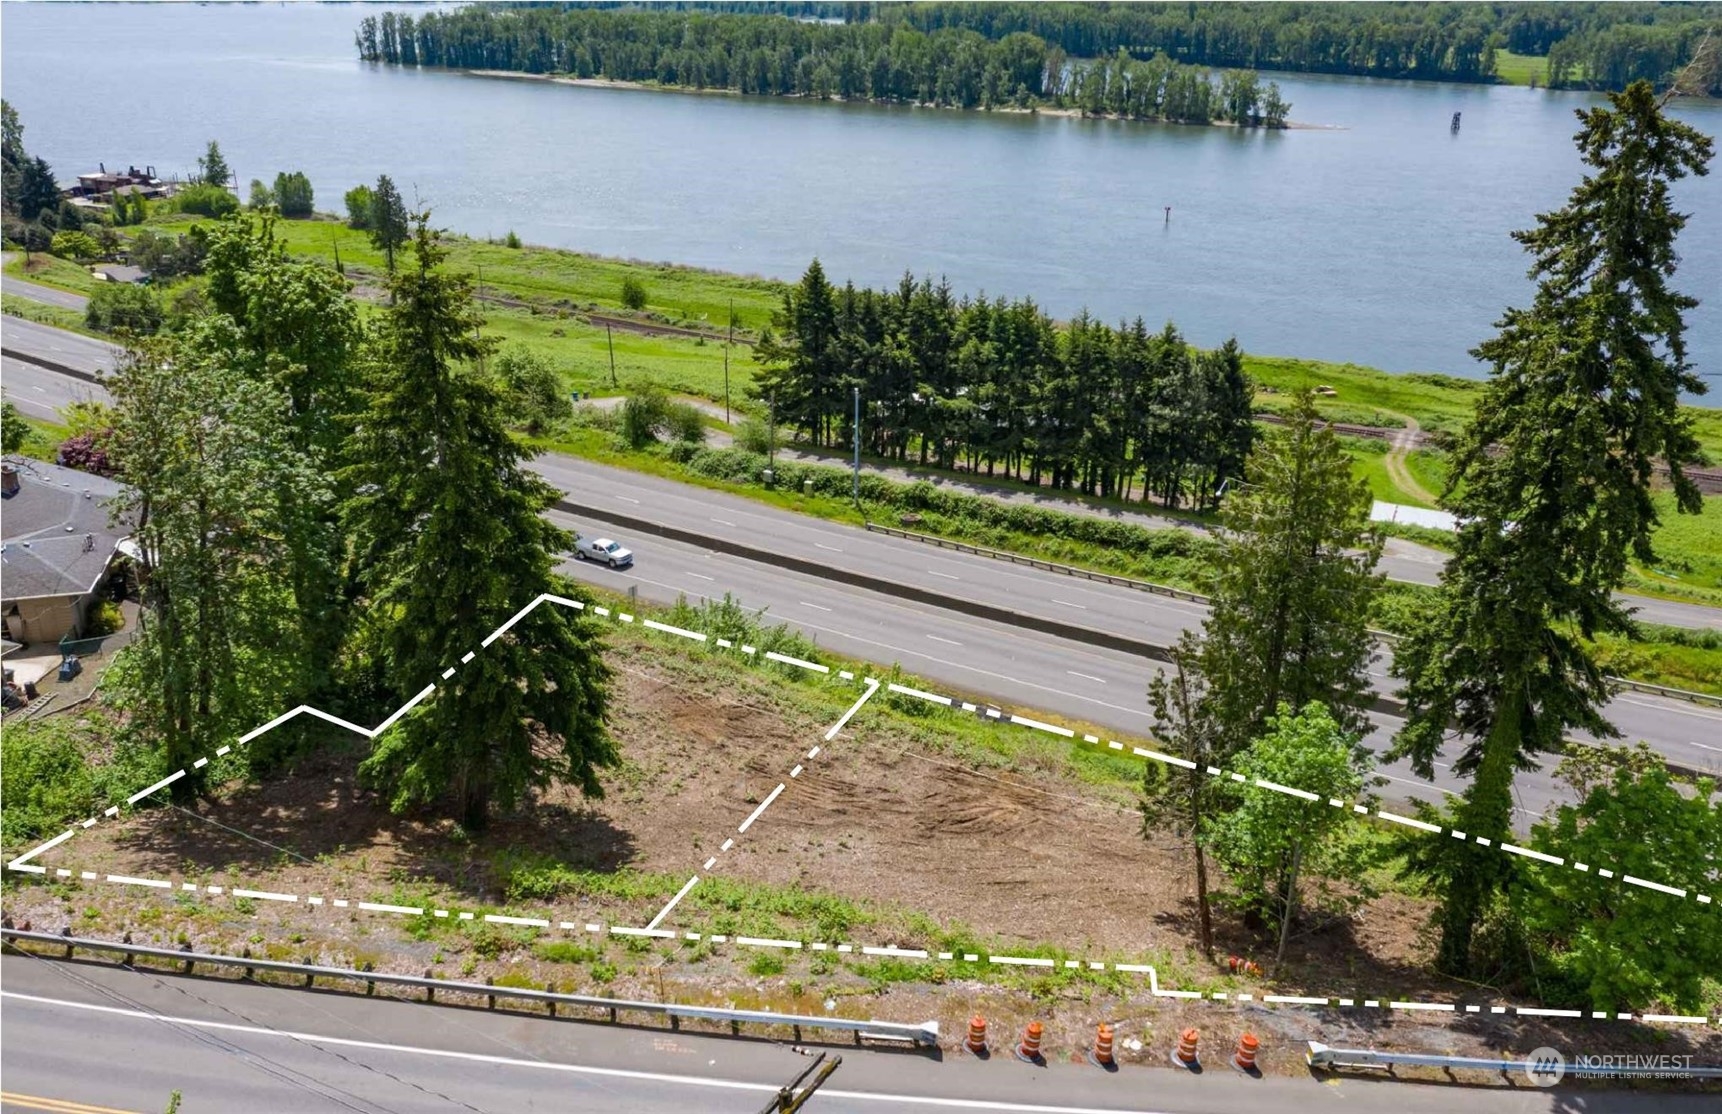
[{"x": 1519, "y": 69}]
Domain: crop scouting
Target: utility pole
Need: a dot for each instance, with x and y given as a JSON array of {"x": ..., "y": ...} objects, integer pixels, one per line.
[
  {"x": 771, "y": 434},
  {"x": 728, "y": 341},
  {"x": 855, "y": 485},
  {"x": 612, "y": 344}
]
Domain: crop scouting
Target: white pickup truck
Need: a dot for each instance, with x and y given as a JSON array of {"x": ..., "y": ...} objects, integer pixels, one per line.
[{"x": 602, "y": 549}]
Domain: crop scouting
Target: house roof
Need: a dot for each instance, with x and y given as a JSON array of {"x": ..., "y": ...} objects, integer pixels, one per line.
[
  {"x": 55, "y": 539},
  {"x": 120, "y": 272}
]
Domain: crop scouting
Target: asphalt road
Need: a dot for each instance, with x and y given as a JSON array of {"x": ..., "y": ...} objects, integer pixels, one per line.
[
  {"x": 125, "y": 1040},
  {"x": 986, "y": 659},
  {"x": 1401, "y": 560}
]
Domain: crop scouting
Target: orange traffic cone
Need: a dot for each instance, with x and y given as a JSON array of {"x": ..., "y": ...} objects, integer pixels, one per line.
[
  {"x": 1101, "y": 1055},
  {"x": 1184, "y": 1055},
  {"x": 977, "y": 1042},
  {"x": 1029, "y": 1050},
  {"x": 1244, "y": 1059}
]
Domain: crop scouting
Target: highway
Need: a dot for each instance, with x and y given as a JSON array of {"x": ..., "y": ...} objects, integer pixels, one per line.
[
  {"x": 107, "y": 1037},
  {"x": 1401, "y": 560},
  {"x": 1005, "y": 663}
]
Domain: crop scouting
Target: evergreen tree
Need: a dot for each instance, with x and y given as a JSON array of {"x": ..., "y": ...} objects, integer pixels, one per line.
[
  {"x": 1296, "y": 581},
  {"x": 1551, "y": 484},
  {"x": 389, "y": 224},
  {"x": 799, "y": 370},
  {"x": 449, "y": 540},
  {"x": 212, "y": 168}
]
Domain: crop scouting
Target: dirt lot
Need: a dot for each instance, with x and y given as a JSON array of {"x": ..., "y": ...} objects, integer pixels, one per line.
[{"x": 918, "y": 839}]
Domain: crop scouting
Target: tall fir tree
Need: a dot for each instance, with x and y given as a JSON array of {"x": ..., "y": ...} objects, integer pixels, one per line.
[
  {"x": 390, "y": 224},
  {"x": 1551, "y": 483},
  {"x": 1296, "y": 584},
  {"x": 449, "y": 540}
]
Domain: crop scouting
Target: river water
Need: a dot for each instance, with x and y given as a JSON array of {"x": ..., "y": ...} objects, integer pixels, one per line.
[{"x": 1379, "y": 238}]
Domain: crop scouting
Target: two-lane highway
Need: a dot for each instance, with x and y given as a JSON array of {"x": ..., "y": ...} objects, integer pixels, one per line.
[{"x": 94, "y": 1035}]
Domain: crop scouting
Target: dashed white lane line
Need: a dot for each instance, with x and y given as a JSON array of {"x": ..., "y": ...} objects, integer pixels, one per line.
[
  {"x": 1085, "y": 676},
  {"x": 627, "y": 499},
  {"x": 701, "y": 575},
  {"x": 1067, "y": 603},
  {"x": 946, "y": 641},
  {"x": 723, "y": 522},
  {"x": 829, "y": 548},
  {"x": 946, "y": 575},
  {"x": 814, "y": 606}
]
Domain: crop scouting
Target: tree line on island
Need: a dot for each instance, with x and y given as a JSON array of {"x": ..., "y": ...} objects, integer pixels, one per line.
[
  {"x": 778, "y": 56},
  {"x": 997, "y": 386},
  {"x": 1587, "y": 45}
]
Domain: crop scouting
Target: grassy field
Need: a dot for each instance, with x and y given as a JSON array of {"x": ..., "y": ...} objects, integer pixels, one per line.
[
  {"x": 1520, "y": 69},
  {"x": 556, "y": 282}
]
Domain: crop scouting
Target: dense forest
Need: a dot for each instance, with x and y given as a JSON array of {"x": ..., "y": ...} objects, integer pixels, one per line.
[
  {"x": 996, "y": 386},
  {"x": 1588, "y": 45},
  {"x": 780, "y": 56}
]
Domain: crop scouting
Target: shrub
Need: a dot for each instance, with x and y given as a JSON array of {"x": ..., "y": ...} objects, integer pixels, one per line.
[
  {"x": 86, "y": 453},
  {"x": 359, "y": 201},
  {"x": 754, "y": 436},
  {"x": 511, "y": 240},
  {"x": 633, "y": 293},
  {"x": 261, "y": 197},
  {"x": 119, "y": 306},
  {"x": 168, "y": 257},
  {"x": 685, "y": 423},
  {"x": 536, "y": 399},
  {"x": 75, "y": 245},
  {"x": 47, "y": 780},
  {"x": 642, "y": 414},
  {"x": 206, "y": 200},
  {"x": 104, "y": 618}
]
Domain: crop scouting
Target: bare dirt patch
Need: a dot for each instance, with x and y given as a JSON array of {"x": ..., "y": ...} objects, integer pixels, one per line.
[{"x": 1021, "y": 851}]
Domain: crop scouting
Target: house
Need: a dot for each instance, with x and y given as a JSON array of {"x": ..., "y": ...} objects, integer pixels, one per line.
[
  {"x": 102, "y": 185},
  {"x": 56, "y": 547}
]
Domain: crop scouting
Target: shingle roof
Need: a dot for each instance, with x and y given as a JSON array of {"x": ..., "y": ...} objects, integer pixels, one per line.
[{"x": 55, "y": 532}]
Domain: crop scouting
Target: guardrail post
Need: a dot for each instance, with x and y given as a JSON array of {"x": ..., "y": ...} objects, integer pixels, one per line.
[
  {"x": 430, "y": 991},
  {"x": 189, "y": 963},
  {"x": 550, "y": 988},
  {"x": 489, "y": 999},
  {"x": 67, "y": 931},
  {"x": 675, "y": 1023}
]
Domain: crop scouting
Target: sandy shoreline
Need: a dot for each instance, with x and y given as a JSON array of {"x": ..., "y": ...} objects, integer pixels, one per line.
[{"x": 1072, "y": 113}]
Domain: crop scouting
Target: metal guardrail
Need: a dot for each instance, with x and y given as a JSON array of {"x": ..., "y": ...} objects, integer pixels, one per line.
[
  {"x": 1035, "y": 562},
  {"x": 1543, "y": 1070},
  {"x": 926, "y": 1033},
  {"x": 1196, "y": 597}
]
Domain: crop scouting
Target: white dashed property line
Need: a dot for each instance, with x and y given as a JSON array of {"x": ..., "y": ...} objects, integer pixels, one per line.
[
  {"x": 763, "y": 805},
  {"x": 872, "y": 687},
  {"x": 1362, "y": 810},
  {"x": 681, "y": 893}
]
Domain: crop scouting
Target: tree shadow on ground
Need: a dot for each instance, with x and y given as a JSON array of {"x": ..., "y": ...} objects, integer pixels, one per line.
[{"x": 318, "y": 812}]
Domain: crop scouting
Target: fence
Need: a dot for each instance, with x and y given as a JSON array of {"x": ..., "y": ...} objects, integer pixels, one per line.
[{"x": 926, "y": 1033}]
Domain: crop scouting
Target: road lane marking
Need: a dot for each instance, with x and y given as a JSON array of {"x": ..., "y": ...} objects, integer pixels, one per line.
[
  {"x": 946, "y": 641},
  {"x": 1085, "y": 676},
  {"x": 946, "y": 575},
  {"x": 815, "y": 606}
]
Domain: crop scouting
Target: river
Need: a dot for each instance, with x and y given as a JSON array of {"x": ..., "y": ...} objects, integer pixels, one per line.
[{"x": 1380, "y": 237}]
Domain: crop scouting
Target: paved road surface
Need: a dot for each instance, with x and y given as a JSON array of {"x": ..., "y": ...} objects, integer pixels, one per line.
[
  {"x": 1005, "y": 663},
  {"x": 105, "y": 1036},
  {"x": 1401, "y": 560}
]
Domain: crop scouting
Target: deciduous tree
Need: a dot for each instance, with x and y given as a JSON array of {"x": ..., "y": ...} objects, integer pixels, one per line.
[{"x": 203, "y": 452}]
